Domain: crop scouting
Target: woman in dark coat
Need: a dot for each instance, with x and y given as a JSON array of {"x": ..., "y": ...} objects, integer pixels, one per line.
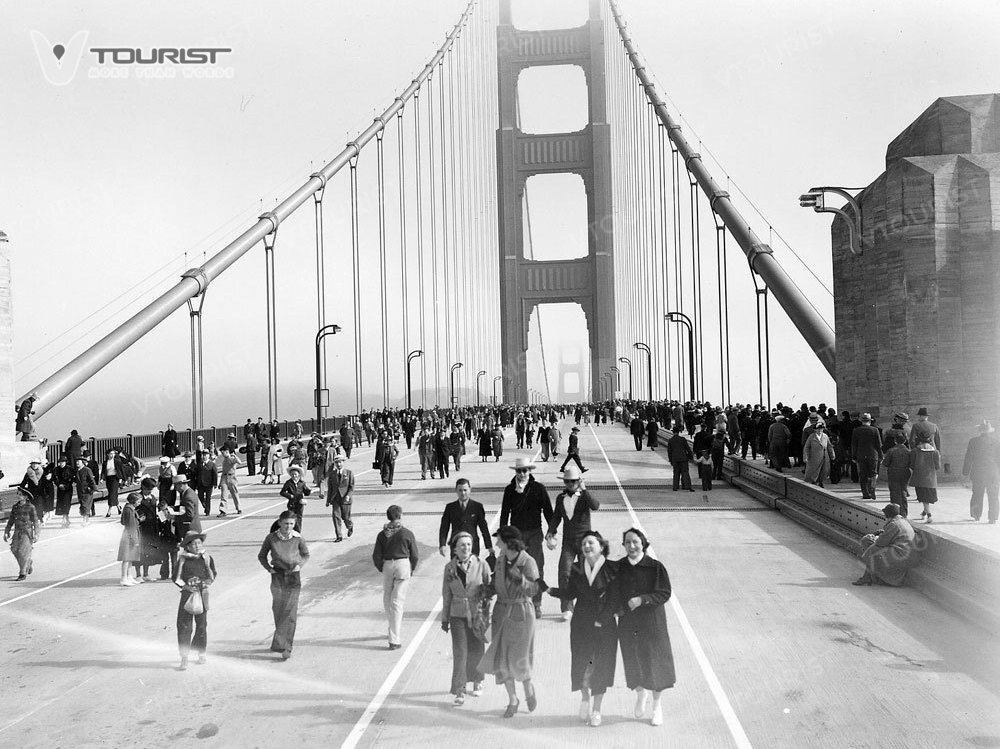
[
  {"x": 593, "y": 634},
  {"x": 485, "y": 440},
  {"x": 644, "y": 588},
  {"x": 64, "y": 478},
  {"x": 150, "y": 543},
  {"x": 652, "y": 434},
  {"x": 34, "y": 487}
]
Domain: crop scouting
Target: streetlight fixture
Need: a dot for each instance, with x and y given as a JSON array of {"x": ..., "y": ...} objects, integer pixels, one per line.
[
  {"x": 456, "y": 365},
  {"x": 649, "y": 361},
  {"x": 478, "y": 376},
  {"x": 322, "y": 395},
  {"x": 683, "y": 319},
  {"x": 618, "y": 374},
  {"x": 415, "y": 354},
  {"x": 816, "y": 199},
  {"x": 626, "y": 360},
  {"x": 495, "y": 381}
]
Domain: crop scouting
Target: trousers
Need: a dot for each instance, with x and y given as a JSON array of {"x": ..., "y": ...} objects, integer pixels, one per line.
[
  {"x": 467, "y": 651},
  {"x": 395, "y": 581},
  {"x": 187, "y": 622},
  {"x": 566, "y": 559},
  {"x": 228, "y": 486},
  {"x": 342, "y": 517},
  {"x": 992, "y": 490},
  {"x": 867, "y": 470},
  {"x": 682, "y": 474}
]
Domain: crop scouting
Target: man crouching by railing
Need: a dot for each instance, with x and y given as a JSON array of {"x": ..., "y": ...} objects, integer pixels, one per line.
[{"x": 890, "y": 552}]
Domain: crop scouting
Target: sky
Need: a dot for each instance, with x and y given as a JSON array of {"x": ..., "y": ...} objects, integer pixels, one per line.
[{"x": 112, "y": 187}]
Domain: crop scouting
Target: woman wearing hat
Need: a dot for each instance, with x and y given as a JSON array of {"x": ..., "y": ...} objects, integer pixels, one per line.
[
  {"x": 283, "y": 554},
  {"x": 129, "y": 548},
  {"x": 195, "y": 572},
  {"x": 22, "y": 531},
  {"x": 485, "y": 440},
  {"x": 818, "y": 454},
  {"x": 593, "y": 635},
  {"x": 33, "y": 486},
  {"x": 496, "y": 443},
  {"x": 64, "y": 478},
  {"x": 510, "y": 656},
  {"x": 151, "y": 547},
  {"x": 464, "y": 591},
  {"x": 295, "y": 491}
]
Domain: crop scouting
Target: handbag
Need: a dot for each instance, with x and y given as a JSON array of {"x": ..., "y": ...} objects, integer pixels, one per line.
[
  {"x": 481, "y": 621},
  {"x": 376, "y": 465},
  {"x": 195, "y": 605}
]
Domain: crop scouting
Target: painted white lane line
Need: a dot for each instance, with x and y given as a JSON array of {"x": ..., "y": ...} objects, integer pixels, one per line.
[
  {"x": 714, "y": 685},
  {"x": 358, "y": 732}
]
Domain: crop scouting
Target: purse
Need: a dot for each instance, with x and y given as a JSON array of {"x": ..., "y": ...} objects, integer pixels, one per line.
[
  {"x": 195, "y": 605},
  {"x": 376, "y": 465},
  {"x": 481, "y": 621}
]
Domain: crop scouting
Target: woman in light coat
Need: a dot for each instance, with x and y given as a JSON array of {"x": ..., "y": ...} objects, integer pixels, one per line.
[
  {"x": 465, "y": 588},
  {"x": 275, "y": 462},
  {"x": 818, "y": 453},
  {"x": 510, "y": 656}
]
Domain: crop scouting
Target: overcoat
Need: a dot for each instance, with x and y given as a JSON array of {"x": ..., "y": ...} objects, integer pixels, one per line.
[
  {"x": 818, "y": 454},
  {"x": 593, "y": 633},
  {"x": 925, "y": 464},
  {"x": 511, "y": 654},
  {"x": 642, "y": 634}
]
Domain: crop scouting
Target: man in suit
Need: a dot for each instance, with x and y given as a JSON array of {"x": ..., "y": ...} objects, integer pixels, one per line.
[
  {"x": 638, "y": 431},
  {"x": 187, "y": 516},
  {"x": 464, "y": 514},
  {"x": 208, "y": 479},
  {"x": 340, "y": 495},
  {"x": 346, "y": 438},
  {"x": 680, "y": 455},
  {"x": 866, "y": 451},
  {"x": 251, "y": 450}
]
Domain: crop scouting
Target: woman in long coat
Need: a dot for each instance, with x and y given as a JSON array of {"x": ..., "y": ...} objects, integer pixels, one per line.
[
  {"x": 642, "y": 629},
  {"x": 593, "y": 633},
  {"x": 652, "y": 434},
  {"x": 33, "y": 485},
  {"x": 129, "y": 548},
  {"x": 64, "y": 478},
  {"x": 925, "y": 461},
  {"x": 151, "y": 547},
  {"x": 465, "y": 588},
  {"x": 485, "y": 438},
  {"x": 510, "y": 656},
  {"x": 818, "y": 454},
  {"x": 497, "y": 443}
]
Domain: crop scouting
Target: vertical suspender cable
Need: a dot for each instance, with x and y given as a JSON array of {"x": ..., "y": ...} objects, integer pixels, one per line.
[
  {"x": 453, "y": 294},
  {"x": 675, "y": 176},
  {"x": 320, "y": 277},
  {"x": 356, "y": 273},
  {"x": 723, "y": 290},
  {"x": 445, "y": 260},
  {"x": 383, "y": 275},
  {"x": 420, "y": 245},
  {"x": 696, "y": 269},
  {"x": 403, "y": 271},
  {"x": 665, "y": 279},
  {"x": 435, "y": 307}
]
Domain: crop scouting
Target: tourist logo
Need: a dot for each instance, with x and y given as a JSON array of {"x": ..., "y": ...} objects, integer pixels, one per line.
[{"x": 59, "y": 61}]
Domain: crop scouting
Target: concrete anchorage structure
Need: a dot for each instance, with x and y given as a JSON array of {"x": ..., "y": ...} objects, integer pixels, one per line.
[
  {"x": 918, "y": 313},
  {"x": 588, "y": 281}
]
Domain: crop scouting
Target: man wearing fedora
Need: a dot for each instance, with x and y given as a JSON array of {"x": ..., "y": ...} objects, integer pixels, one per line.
[
  {"x": 573, "y": 507},
  {"x": 925, "y": 431},
  {"x": 866, "y": 451},
  {"x": 187, "y": 517},
  {"x": 980, "y": 466},
  {"x": 573, "y": 451},
  {"x": 525, "y": 503},
  {"x": 339, "y": 496}
]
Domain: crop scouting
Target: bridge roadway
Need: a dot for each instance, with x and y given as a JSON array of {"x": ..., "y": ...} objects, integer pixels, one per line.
[{"x": 773, "y": 646}]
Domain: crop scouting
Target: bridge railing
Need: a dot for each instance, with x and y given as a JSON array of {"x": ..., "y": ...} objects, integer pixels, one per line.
[{"x": 150, "y": 445}]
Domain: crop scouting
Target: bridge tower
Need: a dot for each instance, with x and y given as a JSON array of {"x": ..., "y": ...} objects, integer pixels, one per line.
[{"x": 587, "y": 281}]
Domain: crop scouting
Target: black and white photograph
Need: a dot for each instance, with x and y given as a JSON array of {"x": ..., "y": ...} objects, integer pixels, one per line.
[{"x": 502, "y": 373}]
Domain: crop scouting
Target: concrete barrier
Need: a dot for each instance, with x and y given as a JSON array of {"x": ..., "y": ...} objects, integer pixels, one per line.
[{"x": 961, "y": 576}]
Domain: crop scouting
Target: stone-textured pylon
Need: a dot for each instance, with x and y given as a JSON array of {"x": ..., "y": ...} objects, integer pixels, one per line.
[
  {"x": 918, "y": 315},
  {"x": 588, "y": 281}
]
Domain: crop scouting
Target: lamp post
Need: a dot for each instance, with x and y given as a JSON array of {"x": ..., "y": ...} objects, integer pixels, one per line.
[
  {"x": 618, "y": 375},
  {"x": 478, "y": 391},
  {"x": 649, "y": 361},
  {"x": 415, "y": 354},
  {"x": 626, "y": 360},
  {"x": 495, "y": 381},
  {"x": 683, "y": 319},
  {"x": 456, "y": 365},
  {"x": 816, "y": 199},
  {"x": 320, "y": 390}
]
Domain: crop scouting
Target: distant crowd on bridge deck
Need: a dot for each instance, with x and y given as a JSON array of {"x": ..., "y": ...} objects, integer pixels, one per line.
[{"x": 162, "y": 531}]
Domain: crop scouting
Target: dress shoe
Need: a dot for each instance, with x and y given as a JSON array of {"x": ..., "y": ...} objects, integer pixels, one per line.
[
  {"x": 22, "y": 577},
  {"x": 511, "y": 709},
  {"x": 531, "y": 700},
  {"x": 337, "y": 540},
  {"x": 350, "y": 532},
  {"x": 459, "y": 699},
  {"x": 863, "y": 580},
  {"x": 286, "y": 654},
  {"x": 477, "y": 689},
  {"x": 395, "y": 645}
]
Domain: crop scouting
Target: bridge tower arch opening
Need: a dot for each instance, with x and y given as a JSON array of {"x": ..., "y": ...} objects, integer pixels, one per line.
[
  {"x": 587, "y": 277},
  {"x": 558, "y": 355}
]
